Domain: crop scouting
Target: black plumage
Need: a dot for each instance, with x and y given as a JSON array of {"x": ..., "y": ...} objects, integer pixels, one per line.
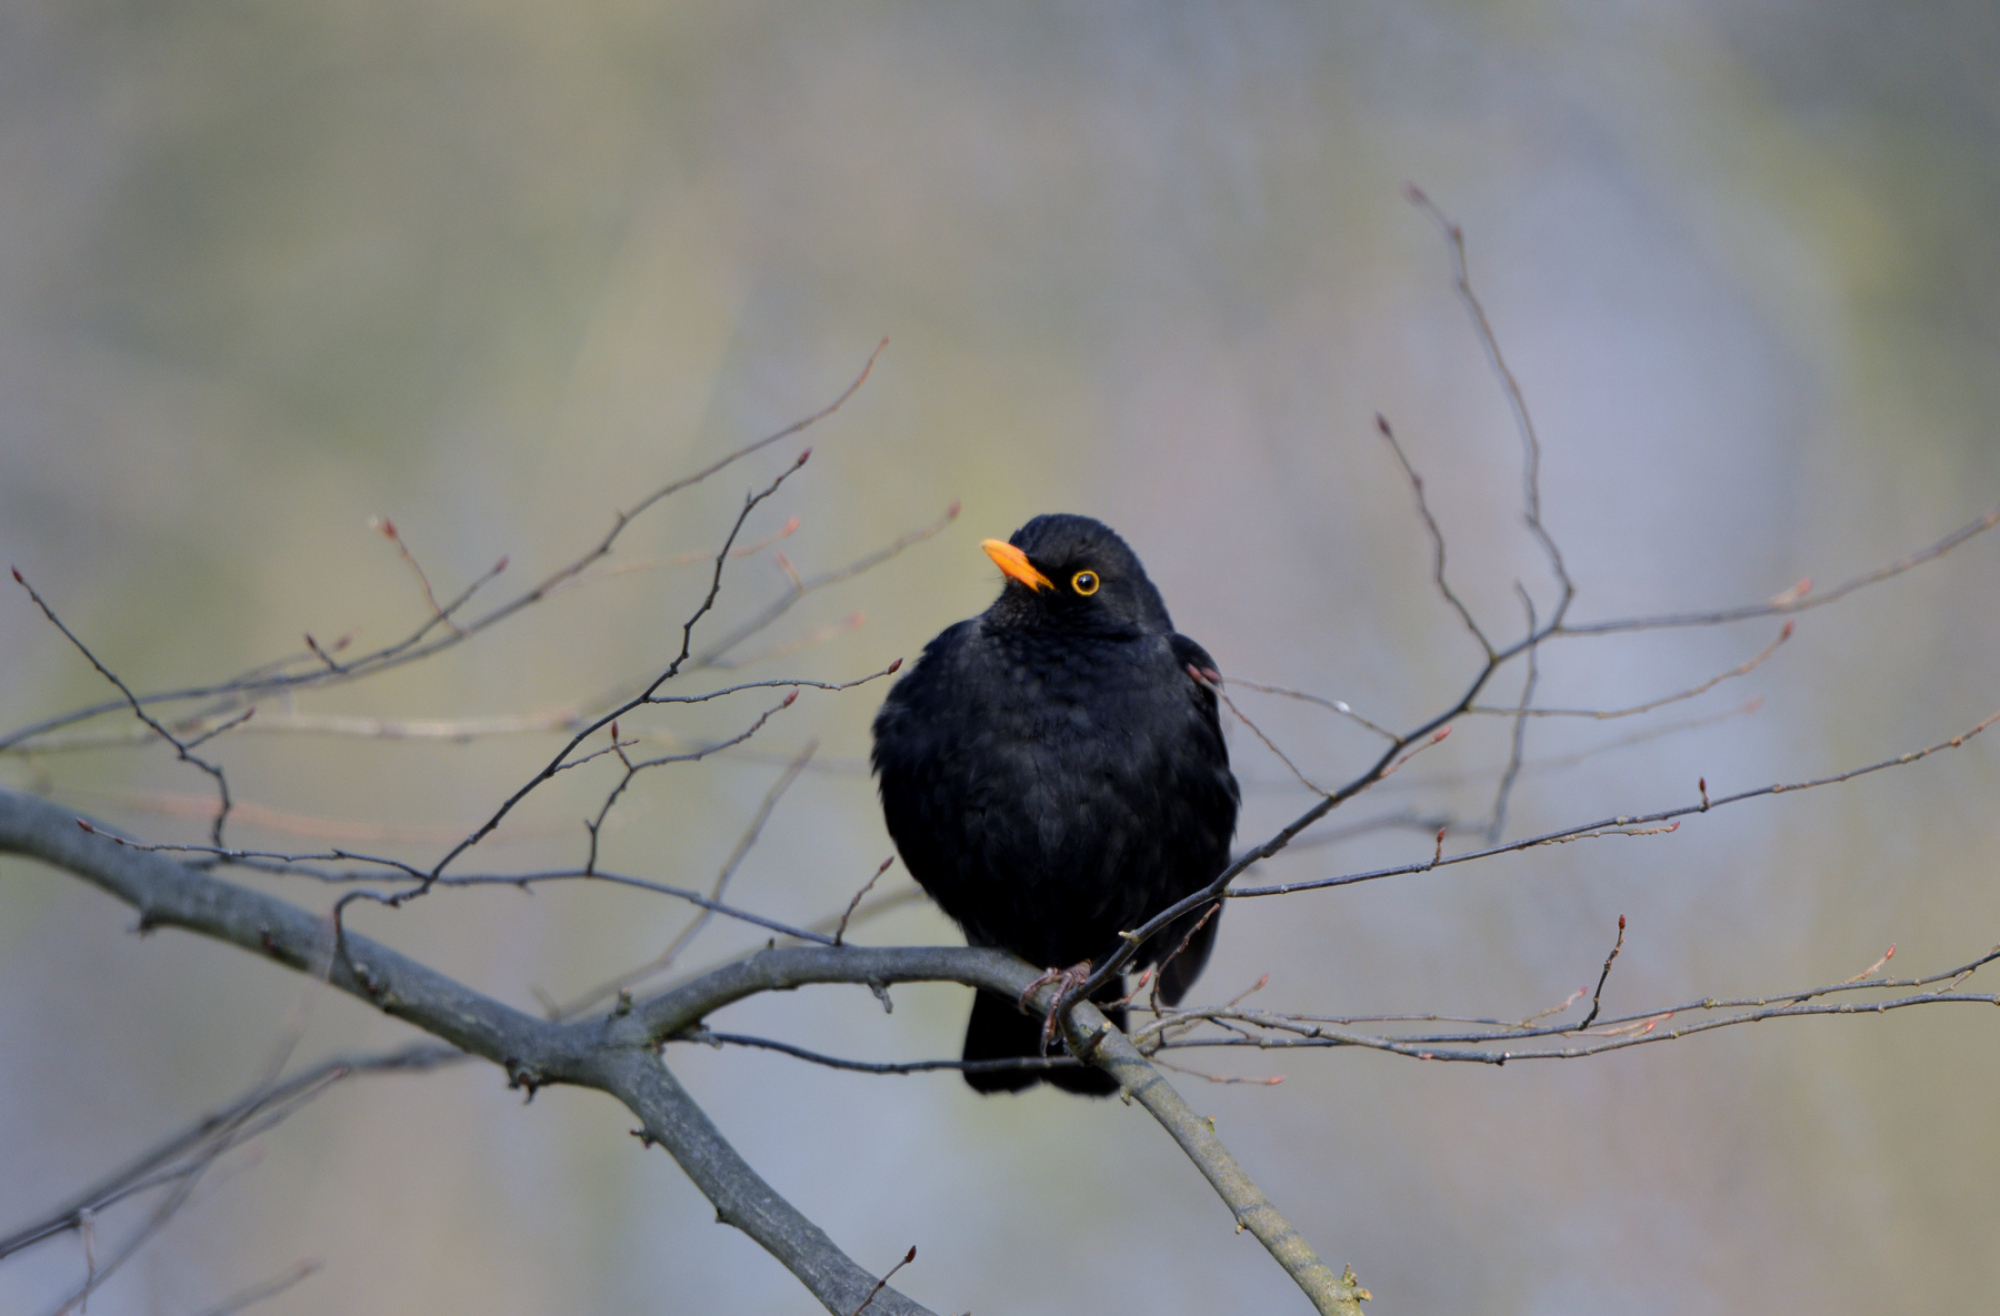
[{"x": 1053, "y": 774}]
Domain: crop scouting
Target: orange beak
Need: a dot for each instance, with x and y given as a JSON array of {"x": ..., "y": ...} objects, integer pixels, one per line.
[{"x": 1015, "y": 563}]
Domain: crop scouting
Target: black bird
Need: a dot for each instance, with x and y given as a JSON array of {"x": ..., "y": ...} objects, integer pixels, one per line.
[{"x": 1053, "y": 774}]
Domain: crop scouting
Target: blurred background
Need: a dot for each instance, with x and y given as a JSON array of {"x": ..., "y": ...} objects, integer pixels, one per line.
[{"x": 494, "y": 271}]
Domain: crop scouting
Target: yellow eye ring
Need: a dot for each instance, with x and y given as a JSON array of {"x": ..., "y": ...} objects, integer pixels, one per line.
[{"x": 1084, "y": 583}]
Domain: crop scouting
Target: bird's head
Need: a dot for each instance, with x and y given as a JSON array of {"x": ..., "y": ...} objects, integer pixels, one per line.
[{"x": 1077, "y": 574}]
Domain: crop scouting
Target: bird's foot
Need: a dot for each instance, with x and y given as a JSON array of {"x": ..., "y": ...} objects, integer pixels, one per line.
[{"x": 1068, "y": 982}]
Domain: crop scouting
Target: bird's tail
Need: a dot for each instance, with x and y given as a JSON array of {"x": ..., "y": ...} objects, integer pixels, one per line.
[{"x": 1000, "y": 1031}]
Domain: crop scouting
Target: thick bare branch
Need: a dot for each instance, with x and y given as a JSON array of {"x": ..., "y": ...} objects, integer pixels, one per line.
[
  {"x": 1089, "y": 1033},
  {"x": 616, "y": 1054},
  {"x": 608, "y": 1054}
]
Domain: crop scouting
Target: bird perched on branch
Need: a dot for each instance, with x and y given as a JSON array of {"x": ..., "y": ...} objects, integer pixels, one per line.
[{"x": 1053, "y": 774}]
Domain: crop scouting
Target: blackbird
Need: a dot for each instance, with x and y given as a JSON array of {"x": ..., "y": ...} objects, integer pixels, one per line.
[{"x": 1053, "y": 774}]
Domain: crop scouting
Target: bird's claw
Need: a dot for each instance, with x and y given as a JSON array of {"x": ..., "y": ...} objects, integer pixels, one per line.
[{"x": 1068, "y": 982}]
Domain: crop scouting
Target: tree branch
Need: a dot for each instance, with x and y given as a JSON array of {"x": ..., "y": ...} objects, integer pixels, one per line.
[
  {"x": 157, "y": 1165},
  {"x": 609, "y": 1055},
  {"x": 414, "y": 647},
  {"x": 617, "y": 1054}
]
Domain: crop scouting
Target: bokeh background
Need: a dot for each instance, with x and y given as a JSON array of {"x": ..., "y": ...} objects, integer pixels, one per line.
[{"x": 268, "y": 271}]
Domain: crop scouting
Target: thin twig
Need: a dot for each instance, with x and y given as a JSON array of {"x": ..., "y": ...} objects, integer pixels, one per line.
[
  {"x": 386, "y": 528},
  {"x": 1496, "y": 1043},
  {"x": 182, "y": 750},
  {"x": 1625, "y": 824},
  {"x": 1339, "y": 706},
  {"x": 688, "y": 559},
  {"x": 1605, "y": 714},
  {"x": 888, "y": 1067},
  {"x": 713, "y": 656},
  {"x": 554, "y": 765},
  {"x": 840, "y": 929},
  {"x": 1437, "y": 535},
  {"x": 417, "y": 646},
  {"x": 1554, "y": 762},
  {"x": 1258, "y": 732},
  {"x": 633, "y": 767},
  {"x": 270, "y": 1288},
  {"x": 666, "y": 958},
  {"x": 883, "y": 1283},
  {"x": 1597, "y": 995},
  {"x": 1517, "y": 741},
  {"x": 1524, "y": 423},
  {"x": 1800, "y": 598}
]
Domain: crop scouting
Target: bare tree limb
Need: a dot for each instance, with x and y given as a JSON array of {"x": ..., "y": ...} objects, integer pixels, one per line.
[
  {"x": 1089, "y": 1033},
  {"x": 617, "y": 1054},
  {"x": 607, "y": 1054}
]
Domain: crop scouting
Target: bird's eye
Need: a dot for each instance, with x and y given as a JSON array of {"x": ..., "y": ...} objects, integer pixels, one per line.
[{"x": 1084, "y": 582}]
